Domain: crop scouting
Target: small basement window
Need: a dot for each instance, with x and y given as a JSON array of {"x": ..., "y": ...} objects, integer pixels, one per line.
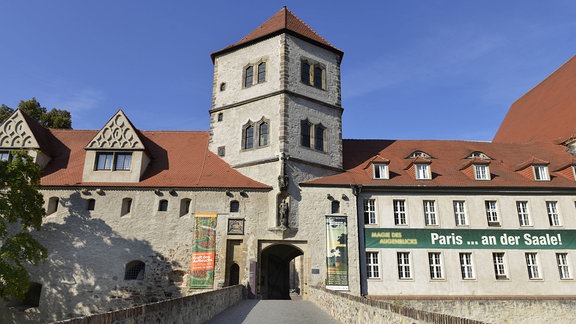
[{"x": 134, "y": 270}]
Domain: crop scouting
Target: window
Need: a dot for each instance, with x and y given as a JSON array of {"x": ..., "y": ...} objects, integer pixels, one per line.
[
  {"x": 421, "y": 154},
  {"x": 234, "y": 206},
  {"x": 492, "y": 213},
  {"x": 563, "y": 267},
  {"x": 335, "y": 207},
  {"x": 369, "y": 211},
  {"x": 262, "y": 72},
  {"x": 52, "y": 205},
  {"x": 134, "y": 270},
  {"x": 422, "y": 171},
  {"x": 319, "y": 137},
  {"x": 532, "y": 266},
  {"x": 499, "y": 265},
  {"x": 31, "y": 298},
  {"x": 249, "y": 137},
  {"x": 184, "y": 206},
  {"x": 120, "y": 160},
  {"x": 380, "y": 171},
  {"x": 466, "y": 266},
  {"x": 399, "y": 212},
  {"x": 305, "y": 128},
  {"x": 163, "y": 205},
  {"x": 221, "y": 150},
  {"x": 552, "y": 210},
  {"x": 522, "y": 210},
  {"x": 90, "y": 204},
  {"x": 435, "y": 264},
  {"x": 460, "y": 213},
  {"x": 222, "y": 88},
  {"x": 248, "y": 76},
  {"x": 220, "y": 117},
  {"x": 263, "y": 134},
  {"x": 4, "y": 156},
  {"x": 313, "y": 74},
  {"x": 404, "y": 270},
  {"x": 541, "y": 173},
  {"x": 372, "y": 265},
  {"x": 481, "y": 172},
  {"x": 430, "y": 212},
  {"x": 126, "y": 206}
]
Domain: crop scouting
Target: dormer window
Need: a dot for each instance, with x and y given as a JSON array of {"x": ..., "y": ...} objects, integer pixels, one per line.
[
  {"x": 481, "y": 172},
  {"x": 541, "y": 173},
  {"x": 478, "y": 155},
  {"x": 113, "y": 161},
  {"x": 380, "y": 171},
  {"x": 419, "y": 154},
  {"x": 422, "y": 171}
]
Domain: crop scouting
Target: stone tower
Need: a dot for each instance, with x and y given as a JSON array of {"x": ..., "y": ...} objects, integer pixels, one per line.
[{"x": 276, "y": 111}]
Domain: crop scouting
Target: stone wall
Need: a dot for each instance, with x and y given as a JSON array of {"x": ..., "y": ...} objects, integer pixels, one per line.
[{"x": 187, "y": 310}]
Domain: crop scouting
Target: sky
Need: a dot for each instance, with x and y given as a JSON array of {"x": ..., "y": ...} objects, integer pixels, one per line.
[{"x": 425, "y": 69}]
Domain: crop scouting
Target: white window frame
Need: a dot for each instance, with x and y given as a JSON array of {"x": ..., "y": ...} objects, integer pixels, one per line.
[
  {"x": 492, "y": 212},
  {"x": 553, "y": 214},
  {"x": 404, "y": 265},
  {"x": 430, "y": 217},
  {"x": 460, "y": 217},
  {"x": 563, "y": 266},
  {"x": 372, "y": 265},
  {"x": 541, "y": 173},
  {"x": 500, "y": 267},
  {"x": 370, "y": 211},
  {"x": 436, "y": 265},
  {"x": 380, "y": 171},
  {"x": 400, "y": 215},
  {"x": 466, "y": 266},
  {"x": 111, "y": 164},
  {"x": 532, "y": 265},
  {"x": 523, "y": 213},
  {"x": 422, "y": 171},
  {"x": 481, "y": 172}
]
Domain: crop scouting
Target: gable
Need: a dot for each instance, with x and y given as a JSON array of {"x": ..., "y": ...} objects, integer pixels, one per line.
[
  {"x": 118, "y": 134},
  {"x": 16, "y": 133}
]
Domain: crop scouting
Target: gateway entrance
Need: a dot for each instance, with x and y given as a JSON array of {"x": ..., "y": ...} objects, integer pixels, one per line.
[{"x": 281, "y": 270}]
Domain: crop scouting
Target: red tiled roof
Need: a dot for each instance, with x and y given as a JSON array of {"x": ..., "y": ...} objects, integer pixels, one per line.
[
  {"x": 446, "y": 164},
  {"x": 547, "y": 113},
  {"x": 178, "y": 159},
  {"x": 283, "y": 21}
]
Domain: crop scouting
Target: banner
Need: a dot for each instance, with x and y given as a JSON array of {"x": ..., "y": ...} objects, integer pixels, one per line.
[
  {"x": 470, "y": 239},
  {"x": 337, "y": 253},
  {"x": 203, "y": 251}
]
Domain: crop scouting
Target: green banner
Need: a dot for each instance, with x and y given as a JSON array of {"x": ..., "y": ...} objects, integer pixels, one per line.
[
  {"x": 203, "y": 251},
  {"x": 470, "y": 239},
  {"x": 337, "y": 252}
]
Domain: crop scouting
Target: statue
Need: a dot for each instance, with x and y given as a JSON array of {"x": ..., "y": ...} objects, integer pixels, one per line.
[{"x": 283, "y": 212}]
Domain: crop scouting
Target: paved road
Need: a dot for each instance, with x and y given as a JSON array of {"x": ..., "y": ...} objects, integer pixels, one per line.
[{"x": 254, "y": 311}]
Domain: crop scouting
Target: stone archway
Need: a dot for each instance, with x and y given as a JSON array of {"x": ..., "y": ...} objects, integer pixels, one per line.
[{"x": 275, "y": 270}]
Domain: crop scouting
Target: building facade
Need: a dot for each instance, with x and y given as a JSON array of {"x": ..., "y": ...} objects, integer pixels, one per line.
[{"x": 273, "y": 198}]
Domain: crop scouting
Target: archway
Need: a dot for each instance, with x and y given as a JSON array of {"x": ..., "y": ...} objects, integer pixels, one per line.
[
  {"x": 234, "y": 274},
  {"x": 275, "y": 270}
]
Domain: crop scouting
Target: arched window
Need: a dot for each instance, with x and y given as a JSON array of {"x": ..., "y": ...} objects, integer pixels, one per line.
[
  {"x": 163, "y": 205},
  {"x": 52, "y": 205},
  {"x": 305, "y": 127},
  {"x": 262, "y": 72},
  {"x": 263, "y": 134},
  {"x": 319, "y": 137},
  {"x": 248, "y": 76},
  {"x": 134, "y": 270},
  {"x": 126, "y": 206},
  {"x": 234, "y": 206},
  {"x": 249, "y": 137}
]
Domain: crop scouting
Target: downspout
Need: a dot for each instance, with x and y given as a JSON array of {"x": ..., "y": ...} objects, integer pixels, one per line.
[{"x": 356, "y": 189}]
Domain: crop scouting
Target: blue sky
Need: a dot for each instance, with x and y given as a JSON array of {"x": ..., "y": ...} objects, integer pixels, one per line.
[{"x": 411, "y": 69}]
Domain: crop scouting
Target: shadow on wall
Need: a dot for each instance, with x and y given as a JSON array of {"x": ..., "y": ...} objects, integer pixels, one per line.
[{"x": 86, "y": 269}]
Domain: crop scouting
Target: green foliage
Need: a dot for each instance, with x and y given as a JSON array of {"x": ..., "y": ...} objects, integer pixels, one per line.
[
  {"x": 55, "y": 118},
  {"x": 21, "y": 212}
]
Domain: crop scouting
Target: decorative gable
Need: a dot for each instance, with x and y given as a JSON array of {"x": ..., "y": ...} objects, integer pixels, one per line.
[
  {"x": 117, "y": 134},
  {"x": 15, "y": 133}
]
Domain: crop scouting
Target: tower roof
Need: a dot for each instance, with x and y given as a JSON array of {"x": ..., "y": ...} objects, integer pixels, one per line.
[
  {"x": 284, "y": 21},
  {"x": 547, "y": 113}
]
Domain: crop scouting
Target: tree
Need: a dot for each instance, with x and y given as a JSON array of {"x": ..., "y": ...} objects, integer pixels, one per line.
[
  {"x": 21, "y": 212},
  {"x": 55, "y": 118}
]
